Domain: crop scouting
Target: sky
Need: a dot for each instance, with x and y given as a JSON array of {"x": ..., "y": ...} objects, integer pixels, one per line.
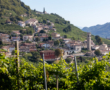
[{"x": 81, "y": 13}]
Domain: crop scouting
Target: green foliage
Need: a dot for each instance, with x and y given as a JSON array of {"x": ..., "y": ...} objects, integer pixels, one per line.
[
  {"x": 15, "y": 5},
  {"x": 92, "y": 76},
  {"x": 67, "y": 29},
  {"x": 56, "y": 43},
  {"x": 97, "y": 52},
  {"x": 58, "y": 52},
  {"x": 65, "y": 36},
  {"x": 84, "y": 50},
  {"x": 98, "y": 40},
  {"x": 42, "y": 31},
  {"x": 68, "y": 60},
  {"x": 37, "y": 39}
]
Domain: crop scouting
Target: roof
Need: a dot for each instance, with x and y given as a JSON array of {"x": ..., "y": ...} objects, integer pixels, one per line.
[
  {"x": 4, "y": 35},
  {"x": 31, "y": 20},
  {"x": 43, "y": 36},
  {"x": 47, "y": 51},
  {"x": 29, "y": 44},
  {"x": 27, "y": 36},
  {"x": 21, "y": 22},
  {"x": 41, "y": 43}
]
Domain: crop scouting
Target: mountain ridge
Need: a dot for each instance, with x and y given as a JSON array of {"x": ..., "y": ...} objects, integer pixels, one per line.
[{"x": 101, "y": 30}]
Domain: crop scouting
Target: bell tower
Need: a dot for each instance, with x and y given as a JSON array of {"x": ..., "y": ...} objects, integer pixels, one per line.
[
  {"x": 89, "y": 41},
  {"x": 44, "y": 11}
]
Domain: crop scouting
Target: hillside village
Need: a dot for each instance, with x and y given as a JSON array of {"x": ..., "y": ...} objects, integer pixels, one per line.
[{"x": 47, "y": 42}]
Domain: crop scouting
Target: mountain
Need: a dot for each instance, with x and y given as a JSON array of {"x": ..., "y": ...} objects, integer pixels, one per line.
[{"x": 101, "y": 30}]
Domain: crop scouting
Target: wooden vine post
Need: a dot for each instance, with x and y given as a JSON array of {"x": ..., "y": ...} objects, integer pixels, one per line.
[
  {"x": 17, "y": 61},
  {"x": 76, "y": 70},
  {"x": 45, "y": 81}
]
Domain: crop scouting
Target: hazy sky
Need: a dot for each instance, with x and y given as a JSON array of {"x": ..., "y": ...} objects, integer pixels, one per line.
[{"x": 79, "y": 12}]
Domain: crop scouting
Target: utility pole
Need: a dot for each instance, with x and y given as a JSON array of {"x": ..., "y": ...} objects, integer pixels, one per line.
[
  {"x": 44, "y": 73},
  {"x": 17, "y": 61}
]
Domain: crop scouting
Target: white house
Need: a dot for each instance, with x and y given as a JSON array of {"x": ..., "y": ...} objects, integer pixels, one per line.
[
  {"x": 74, "y": 46},
  {"x": 95, "y": 47},
  {"x": 21, "y": 23},
  {"x": 66, "y": 40},
  {"x": 46, "y": 45},
  {"x": 27, "y": 37},
  {"x": 31, "y": 21}
]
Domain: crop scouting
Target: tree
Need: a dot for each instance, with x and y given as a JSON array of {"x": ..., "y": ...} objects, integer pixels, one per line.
[
  {"x": 42, "y": 31},
  {"x": 56, "y": 43},
  {"x": 67, "y": 29},
  {"x": 1, "y": 43},
  {"x": 68, "y": 60},
  {"x": 65, "y": 36},
  {"x": 58, "y": 53},
  {"x": 35, "y": 56},
  {"x": 98, "y": 40},
  {"x": 37, "y": 39},
  {"x": 50, "y": 38},
  {"x": 44, "y": 21},
  {"x": 73, "y": 38},
  {"x": 97, "y": 52}
]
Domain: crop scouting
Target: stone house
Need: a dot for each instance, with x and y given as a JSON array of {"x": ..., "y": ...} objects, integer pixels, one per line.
[
  {"x": 21, "y": 23},
  {"x": 28, "y": 37},
  {"x": 31, "y": 21},
  {"x": 5, "y": 38},
  {"x": 15, "y": 38}
]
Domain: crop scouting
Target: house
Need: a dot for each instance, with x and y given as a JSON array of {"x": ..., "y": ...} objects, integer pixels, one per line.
[
  {"x": 31, "y": 21},
  {"x": 8, "y": 22},
  {"x": 49, "y": 55},
  {"x": 33, "y": 49},
  {"x": 55, "y": 35},
  {"x": 24, "y": 49},
  {"x": 68, "y": 51},
  {"x": 9, "y": 48},
  {"x": 104, "y": 52},
  {"x": 45, "y": 45},
  {"x": 103, "y": 47},
  {"x": 74, "y": 46},
  {"x": 5, "y": 38},
  {"x": 23, "y": 15},
  {"x": 50, "y": 42},
  {"x": 15, "y": 33},
  {"x": 29, "y": 44},
  {"x": 39, "y": 28},
  {"x": 66, "y": 40},
  {"x": 46, "y": 27},
  {"x": 27, "y": 48},
  {"x": 15, "y": 38},
  {"x": 21, "y": 23},
  {"x": 95, "y": 47},
  {"x": 52, "y": 24},
  {"x": 43, "y": 37},
  {"x": 28, "y": 37}
]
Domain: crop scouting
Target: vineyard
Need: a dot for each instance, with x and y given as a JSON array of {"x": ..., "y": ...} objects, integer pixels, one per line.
[{"x": 92, "y": 76}]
